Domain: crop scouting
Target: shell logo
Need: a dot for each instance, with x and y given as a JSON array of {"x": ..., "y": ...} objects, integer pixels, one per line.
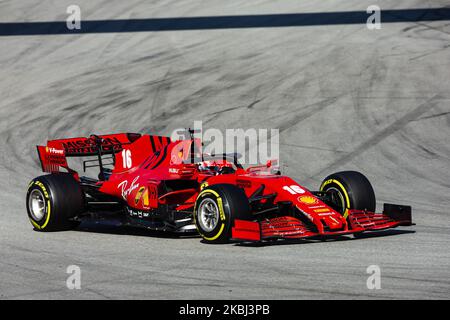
[{"x": 307, "y": 200}]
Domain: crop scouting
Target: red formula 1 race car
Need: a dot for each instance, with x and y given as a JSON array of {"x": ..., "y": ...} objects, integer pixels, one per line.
[{"x": 159, "y": 184}]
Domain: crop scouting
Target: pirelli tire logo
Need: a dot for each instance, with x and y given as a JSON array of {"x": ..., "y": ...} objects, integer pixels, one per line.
[{"x": 43, "y": 189}]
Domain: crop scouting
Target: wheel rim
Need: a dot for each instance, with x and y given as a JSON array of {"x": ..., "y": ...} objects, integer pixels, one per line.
[
  {"x": 208, "y": 215},
  {"x": 36, "y": 204},
  {"x": 337, "y": 199}
]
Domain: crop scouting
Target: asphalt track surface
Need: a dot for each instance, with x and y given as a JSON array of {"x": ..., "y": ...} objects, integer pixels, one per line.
[{"x": 343, "y": 97}]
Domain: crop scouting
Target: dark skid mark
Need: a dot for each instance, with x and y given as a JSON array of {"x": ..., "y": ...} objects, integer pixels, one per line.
[
  {"x": 434, "y": 116},
  {"x": 311, "y": 147},
  {"x": 222, "y": 22},
  {"x": 250, "y": 106}
]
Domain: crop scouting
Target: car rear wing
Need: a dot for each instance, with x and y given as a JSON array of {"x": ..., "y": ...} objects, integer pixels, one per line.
[{"x": 54, "y": 155}]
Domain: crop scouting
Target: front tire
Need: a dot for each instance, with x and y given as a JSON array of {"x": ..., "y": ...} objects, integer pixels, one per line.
[
  {"x": 53, "y": 201},
  {"x": 349, "y": 190},
  {"x": 216, "y": 208}
]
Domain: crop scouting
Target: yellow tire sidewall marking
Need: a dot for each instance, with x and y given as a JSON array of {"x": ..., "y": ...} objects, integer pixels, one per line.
[
  {"x": 48, "y": 208},
  {"x": 35, "y": 224},
  {"x": 347, "y": 198},
  {"x": 48, "y": 215},
  {"x": 221, "y": 213},
  {"x": 217, "y": 235}
]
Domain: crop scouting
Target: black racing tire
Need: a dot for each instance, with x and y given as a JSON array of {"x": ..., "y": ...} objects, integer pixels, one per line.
[
  {"x": 231, "y": 203},
  {"x": 350, "y": 190},
  {"x": 58, "y": 199}
]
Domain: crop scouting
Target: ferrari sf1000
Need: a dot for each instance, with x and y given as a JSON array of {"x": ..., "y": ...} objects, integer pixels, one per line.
[{"x": 159, "y": 184}]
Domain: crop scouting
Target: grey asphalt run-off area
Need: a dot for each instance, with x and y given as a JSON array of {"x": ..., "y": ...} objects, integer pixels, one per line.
[{"x": 343, "y": 97}]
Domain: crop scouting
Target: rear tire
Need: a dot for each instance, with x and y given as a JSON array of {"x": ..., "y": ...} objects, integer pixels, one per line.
[
  {"x": 216, "y": 208},
  {"x": 350, "y": 190},
  {"x": 53, "y": 201}
]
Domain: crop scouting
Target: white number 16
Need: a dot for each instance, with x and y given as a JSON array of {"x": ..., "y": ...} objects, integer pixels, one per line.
[
  {"x": 294, "y": 189},
  {"x": 126, "y": 158}
]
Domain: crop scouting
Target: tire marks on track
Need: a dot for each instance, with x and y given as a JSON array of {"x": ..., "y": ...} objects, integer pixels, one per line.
[{"x": 381, "y": 135}]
